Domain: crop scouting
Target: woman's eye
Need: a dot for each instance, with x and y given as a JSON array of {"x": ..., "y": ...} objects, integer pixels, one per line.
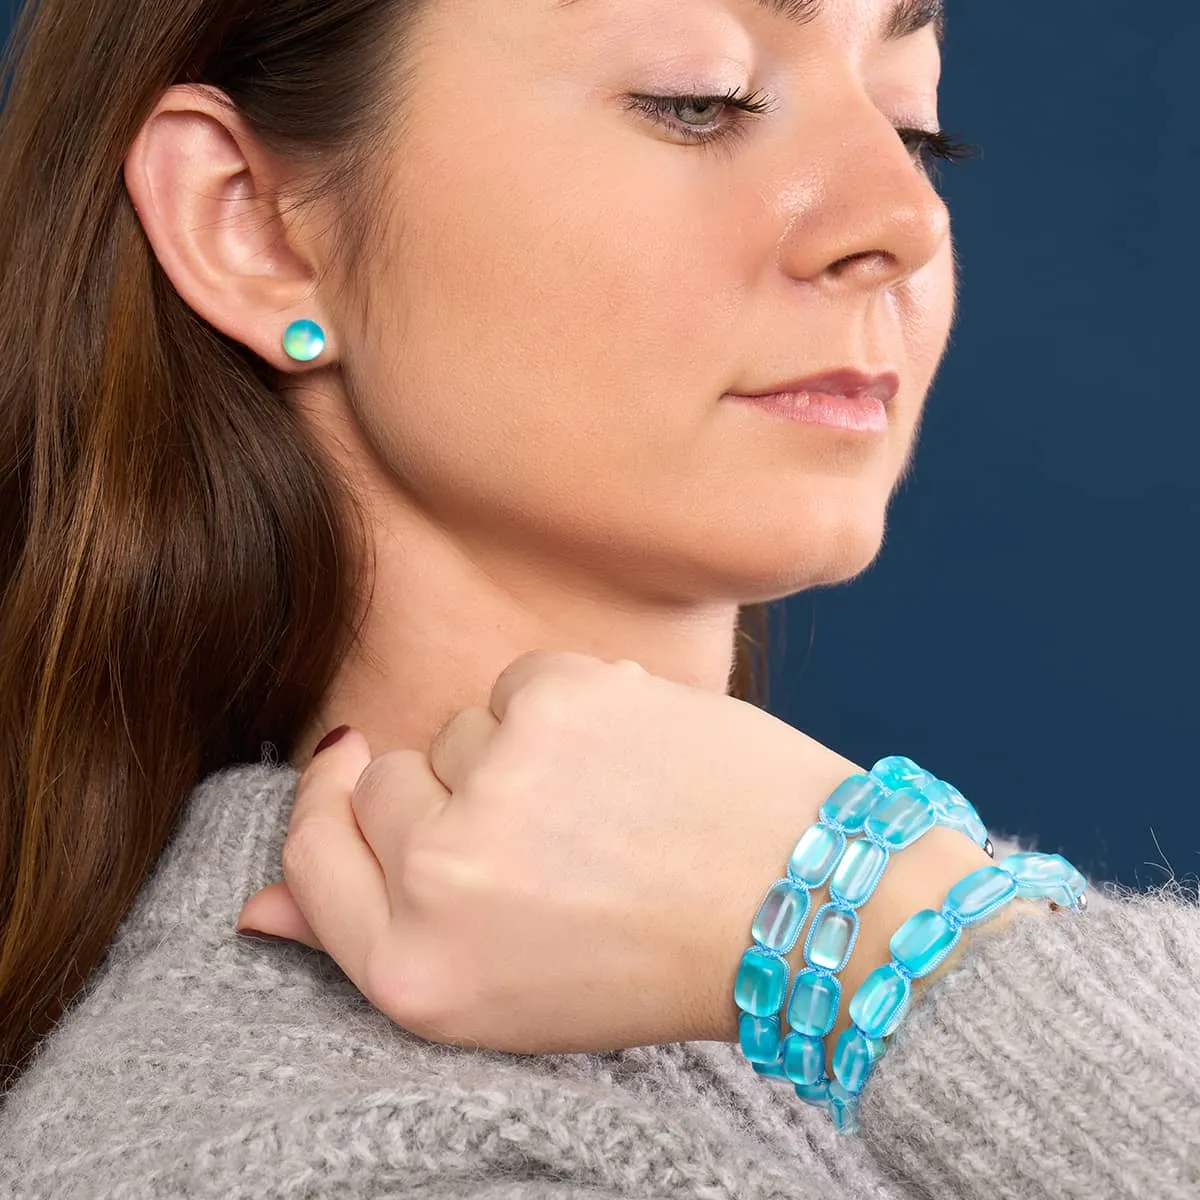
[
  {"x": 929, "y": 145},
  {"x": 704, "y": 115},
  {"x": 698, "y": 118}
]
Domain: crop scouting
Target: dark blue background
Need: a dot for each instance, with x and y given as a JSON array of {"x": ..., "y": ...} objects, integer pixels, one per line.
[{"x": 1027, "y": 631}]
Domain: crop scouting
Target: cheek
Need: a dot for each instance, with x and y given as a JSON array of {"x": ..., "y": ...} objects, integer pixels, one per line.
[
  {"x": 925, "y": 310},
  {"x": 548, "y": 338}
]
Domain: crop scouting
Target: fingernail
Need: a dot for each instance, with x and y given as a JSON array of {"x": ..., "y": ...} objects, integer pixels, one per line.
[
  {"x": 334, "y": 735},
  {"x": 258, "y": 936}
]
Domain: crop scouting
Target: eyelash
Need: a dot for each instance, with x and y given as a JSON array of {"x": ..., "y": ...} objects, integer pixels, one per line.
[{"x": 931, "y": 144}]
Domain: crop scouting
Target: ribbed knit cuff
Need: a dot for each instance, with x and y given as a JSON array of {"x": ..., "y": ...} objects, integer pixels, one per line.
[{"x": 1060, "y": 1058}]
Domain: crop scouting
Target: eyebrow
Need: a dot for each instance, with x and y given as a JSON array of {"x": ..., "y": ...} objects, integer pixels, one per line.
[{"x": 905, "y": 17}]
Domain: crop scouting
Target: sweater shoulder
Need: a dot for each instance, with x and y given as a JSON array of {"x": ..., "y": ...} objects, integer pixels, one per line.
[{"x": 211, "y": 1066}]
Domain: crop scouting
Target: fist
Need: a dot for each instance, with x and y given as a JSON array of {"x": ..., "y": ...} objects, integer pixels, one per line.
[{"x": 572, "y": 869}]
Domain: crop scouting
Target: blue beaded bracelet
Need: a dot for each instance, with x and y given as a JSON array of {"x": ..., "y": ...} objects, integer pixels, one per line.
[
  {"x": 893, "y": 805},
  {"x": 918, "y": 947},
  {"x": 889, "y": 802}
]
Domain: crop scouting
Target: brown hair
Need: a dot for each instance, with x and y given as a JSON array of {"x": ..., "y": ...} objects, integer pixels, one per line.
[{"x": 178, "y": 565}]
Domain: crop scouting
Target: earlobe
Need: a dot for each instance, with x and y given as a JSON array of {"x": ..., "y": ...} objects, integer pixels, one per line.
[{"x": 207, "y": 195}]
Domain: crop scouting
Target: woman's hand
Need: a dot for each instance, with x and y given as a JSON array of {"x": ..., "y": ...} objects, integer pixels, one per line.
[{"x": 573, "y": 869}]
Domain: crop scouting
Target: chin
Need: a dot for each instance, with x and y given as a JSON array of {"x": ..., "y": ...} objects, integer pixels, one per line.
[{"x": 810, "y": 557}]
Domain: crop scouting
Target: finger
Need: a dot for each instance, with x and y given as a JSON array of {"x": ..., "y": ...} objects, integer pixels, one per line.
[
  {"x": 461, "y": 745},
  {"x": 331, "y": 870},
  {"x": 397, "y": 793},
  {"x": 273, "y": 910},
  {"x": 527, "y": 667}
]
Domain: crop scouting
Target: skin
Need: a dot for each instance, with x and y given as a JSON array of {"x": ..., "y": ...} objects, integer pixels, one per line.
[{"x": 525, "y": 383}]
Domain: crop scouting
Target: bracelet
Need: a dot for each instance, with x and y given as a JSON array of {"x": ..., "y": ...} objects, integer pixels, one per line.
[
  {"x": 823, "y": 850},
  {"x": 893, "y": 805}
]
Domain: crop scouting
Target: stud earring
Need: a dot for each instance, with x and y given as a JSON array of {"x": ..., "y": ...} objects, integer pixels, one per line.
[{"x": 303, "y": 341}]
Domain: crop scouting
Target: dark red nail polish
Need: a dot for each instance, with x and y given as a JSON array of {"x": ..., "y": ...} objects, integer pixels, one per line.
[
  {"x": 334, "y": 735},
  {"x": 258, "y": 936}
]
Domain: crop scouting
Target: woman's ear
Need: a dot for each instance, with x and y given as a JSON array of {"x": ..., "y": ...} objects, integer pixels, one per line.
[{"x": 207, "y": 196}]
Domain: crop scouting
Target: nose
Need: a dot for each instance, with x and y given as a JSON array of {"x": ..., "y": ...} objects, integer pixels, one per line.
[{"x": 861, "y": 213}]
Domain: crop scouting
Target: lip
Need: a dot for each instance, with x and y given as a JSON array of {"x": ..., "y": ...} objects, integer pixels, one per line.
[
  {"x": 845, "y": 382},
  {"x": 848, "y": 401}
]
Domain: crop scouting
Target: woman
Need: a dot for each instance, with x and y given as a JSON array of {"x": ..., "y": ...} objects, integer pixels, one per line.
[{"x": 353, "y": 350}]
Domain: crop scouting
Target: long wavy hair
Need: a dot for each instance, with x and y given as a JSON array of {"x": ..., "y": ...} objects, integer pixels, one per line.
[{"x": 178, "y": 561}]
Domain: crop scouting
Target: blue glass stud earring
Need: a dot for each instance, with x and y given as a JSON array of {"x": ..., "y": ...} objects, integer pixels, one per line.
[{"x": 304, "y": 341}]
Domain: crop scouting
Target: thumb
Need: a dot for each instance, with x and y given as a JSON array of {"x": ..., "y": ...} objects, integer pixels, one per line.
[{"x": 273, "y": 911}]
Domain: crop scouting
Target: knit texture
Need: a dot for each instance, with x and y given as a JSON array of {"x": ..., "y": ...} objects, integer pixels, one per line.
[{"x": 1059, "y": 1058}]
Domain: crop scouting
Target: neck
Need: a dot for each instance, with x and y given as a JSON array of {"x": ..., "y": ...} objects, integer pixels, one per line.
[{"x": 449, "y": 611}]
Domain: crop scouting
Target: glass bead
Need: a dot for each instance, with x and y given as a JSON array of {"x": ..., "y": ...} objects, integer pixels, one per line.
[
  {"x": 814, "y": 1093},
  {"x": 758, "y": 1038},
  {"x": 816, "y": 854},
  {"x": 761, "y": 983},
  {"x": 879, "y": 1005},
  {"x": 896, "y": 771},
  {"x": 853, "y": 1058},
  {"x": 1045, "y": 875},
  {"x": 851, "y": 802},
  {"x": 858, "y": 873},
  {"x": 923, "y": 941},
  {"x": 904, "y": 817},
  {"x": 831, "y": 938},
  {"x": 804, "y": 1058},
  {"x": 812, "y": 1010},
  {"x": 771, "y": 1070},
  {"x": 980, "y": 894},
  {"x": 976, "y": 830},
  {"x": 955, "y": 810},
  {"x": 842, "y": 1107},
  {"x": 944, "y": 797},
  {"x": 781, "y": 916}
]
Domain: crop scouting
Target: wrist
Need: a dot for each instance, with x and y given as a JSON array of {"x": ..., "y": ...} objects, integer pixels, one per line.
[
  {"x": 786, "y": 802},
  {"x": 915, "y": 879},
  {"x": 934, "y": 870}
]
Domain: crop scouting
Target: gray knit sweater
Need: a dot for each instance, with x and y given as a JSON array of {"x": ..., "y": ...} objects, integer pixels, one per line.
[{"x": 1059, "y": 1058}]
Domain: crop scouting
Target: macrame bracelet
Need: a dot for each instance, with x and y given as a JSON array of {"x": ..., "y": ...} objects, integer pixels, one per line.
[{"x": 892, "y": 806}]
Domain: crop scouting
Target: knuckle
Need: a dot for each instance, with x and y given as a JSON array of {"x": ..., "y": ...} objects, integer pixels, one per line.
[
  {"x": 628, "y": 666},
  {"x": 384, "y": 777},
  {"x": 497, "y": 772},
  {"x": 458, "y": 725},
  {"x": 555, "y": 661},
  {"x": 386, "y": 768},
  {"x": 389, "y": 980},
  {"x": 408, "y": 987},
  {"x": 544, "y": 699}
]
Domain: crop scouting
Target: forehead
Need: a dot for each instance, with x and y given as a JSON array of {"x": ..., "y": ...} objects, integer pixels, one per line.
[{"x": 886, "y": 20}]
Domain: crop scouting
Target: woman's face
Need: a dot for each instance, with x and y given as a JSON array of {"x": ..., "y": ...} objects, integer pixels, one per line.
[{"x": 571, "y": 288}]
